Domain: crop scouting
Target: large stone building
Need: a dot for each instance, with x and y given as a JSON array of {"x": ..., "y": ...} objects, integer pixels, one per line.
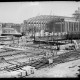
[{"x": 44, "y": 24}]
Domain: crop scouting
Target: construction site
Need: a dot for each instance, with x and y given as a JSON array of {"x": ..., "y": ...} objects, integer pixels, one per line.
[
  {"x": 22, "y": 61},
  {"x": 48, "y": 41}
]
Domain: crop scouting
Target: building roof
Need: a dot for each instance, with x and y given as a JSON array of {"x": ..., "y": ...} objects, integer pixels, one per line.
[{"x": 45, "y": 18}]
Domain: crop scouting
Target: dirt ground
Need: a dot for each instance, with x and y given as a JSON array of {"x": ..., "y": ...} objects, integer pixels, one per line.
[{"x": 68, "y": 69}]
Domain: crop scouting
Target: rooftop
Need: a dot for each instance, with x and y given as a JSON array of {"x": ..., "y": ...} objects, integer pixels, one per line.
[{"x": 45, "y": 18}]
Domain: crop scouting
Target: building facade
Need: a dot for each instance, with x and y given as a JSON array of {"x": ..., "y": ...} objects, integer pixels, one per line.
[
  {"x": 52, "y": 24},
  {"x": 0, "y": 29}
]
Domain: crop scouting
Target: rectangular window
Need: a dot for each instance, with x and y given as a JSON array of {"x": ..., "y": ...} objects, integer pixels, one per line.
[
  {"x": 70, "y": 26},
  {"x": 77, "y": 26},
  {"x": 63, "y": 27},
  {"x": 67, "y": 26},
  {"x": 74, "y": 26}
]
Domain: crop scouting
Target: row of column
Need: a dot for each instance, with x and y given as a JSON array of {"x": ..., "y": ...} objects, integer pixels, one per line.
[{"x": 74, "y": 28}]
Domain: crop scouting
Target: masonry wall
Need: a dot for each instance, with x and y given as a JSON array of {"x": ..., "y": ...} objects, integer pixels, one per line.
[{"x": 0, "y": 29}]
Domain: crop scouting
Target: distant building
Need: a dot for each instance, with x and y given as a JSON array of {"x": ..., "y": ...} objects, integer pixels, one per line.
[
  {"x": 10, "y": 28},
  {"x": 53, "y": 25},
  {"x": 9, "y": 31},
  {"x": 48, "y": 23},
  {"x": 0, "y": 29},
  {"x": 12, "y": 25}
]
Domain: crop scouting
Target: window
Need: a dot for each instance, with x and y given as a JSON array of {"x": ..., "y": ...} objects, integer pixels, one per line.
[
  {"x": 67, "y": 25},
  {"x": 63, "y": 27},
  {"x": 74, "y": 26},
  {"x": 70, "y": 26}
]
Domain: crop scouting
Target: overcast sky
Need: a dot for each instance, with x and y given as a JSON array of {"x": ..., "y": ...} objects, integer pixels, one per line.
[{"x": 16, "y": 12}]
